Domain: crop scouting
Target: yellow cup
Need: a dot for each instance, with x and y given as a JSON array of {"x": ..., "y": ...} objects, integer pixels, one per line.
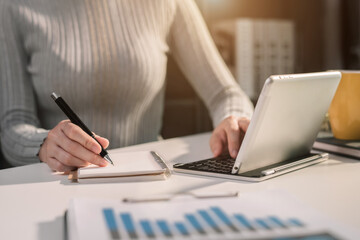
[{"x": 344, "y": 111}]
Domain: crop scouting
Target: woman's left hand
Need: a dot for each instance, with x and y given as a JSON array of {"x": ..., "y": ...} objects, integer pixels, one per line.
[{"x": 228, "y": 136}]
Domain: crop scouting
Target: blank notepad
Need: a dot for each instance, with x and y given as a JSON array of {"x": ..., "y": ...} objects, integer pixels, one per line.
[{"x": 126, "y": 164}]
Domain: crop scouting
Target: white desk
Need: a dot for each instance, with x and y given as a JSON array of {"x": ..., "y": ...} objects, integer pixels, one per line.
[{"x": 33, "y": 199}]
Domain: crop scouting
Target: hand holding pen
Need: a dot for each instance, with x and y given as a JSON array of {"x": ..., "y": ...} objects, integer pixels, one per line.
[{"x": 68, "y": 146}]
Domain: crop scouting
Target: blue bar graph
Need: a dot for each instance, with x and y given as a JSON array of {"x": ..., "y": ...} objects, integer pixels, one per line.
[
  {"x": 263, "y": 223},
  {"x": 195, "y": 223},
  {"x": 164, "y": 227},
  {"x": 296, "y": 222},
  {"x": 146, "y": 226},
  {"x": 277, "y": 221},
  {"x": 111, "y": 223},
  {"x": 224, "y": 218},
  {"x": 212, "y": 221},
  {"x": 182, "y": 228},
  {"x": 208, "y": 219},
  {"x": 129, "y": 225},
  {"x": 246, "y": 223}
]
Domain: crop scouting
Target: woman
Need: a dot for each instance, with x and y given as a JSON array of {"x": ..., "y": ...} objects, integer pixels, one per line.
[{"x": 108, "y": 60}]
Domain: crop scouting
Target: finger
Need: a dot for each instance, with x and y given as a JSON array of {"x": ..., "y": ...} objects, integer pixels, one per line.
[
  {"x": 55, "y": 165},
  {"x": 233, "y": 138},
  {"x": 218, "y": 143},
  {"x": 68, "y": 159},
  {"x": 76, "y": 153},
  {"x": 244, "y": 124},
  {"x": 76, "y": 134},
  {"x": 103, "y": 141}
]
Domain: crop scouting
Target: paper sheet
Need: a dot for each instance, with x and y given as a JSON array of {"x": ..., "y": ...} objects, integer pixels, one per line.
[
  {"x": 261, "y": 215},
  {"x": 124, "y": 163}
]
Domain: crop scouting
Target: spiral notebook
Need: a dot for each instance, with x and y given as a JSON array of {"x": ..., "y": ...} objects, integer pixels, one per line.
[{"x": 128, "y": 166}]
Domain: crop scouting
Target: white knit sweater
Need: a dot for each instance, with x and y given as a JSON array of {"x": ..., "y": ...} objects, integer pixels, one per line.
[{"x": 107, "y": 58}]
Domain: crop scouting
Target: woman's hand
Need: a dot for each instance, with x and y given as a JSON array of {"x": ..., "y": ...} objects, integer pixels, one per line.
[
  {"x": 68, "y": 147},
  {"x": 228, "y": 136}
]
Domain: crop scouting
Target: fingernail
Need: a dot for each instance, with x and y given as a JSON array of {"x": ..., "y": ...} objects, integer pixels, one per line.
[
  {"x": 234, "y": 153},
  {"x": 103, "y": 163}
]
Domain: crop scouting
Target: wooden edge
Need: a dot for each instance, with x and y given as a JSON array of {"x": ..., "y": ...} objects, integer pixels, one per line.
[{"x": 73, "y": 176}]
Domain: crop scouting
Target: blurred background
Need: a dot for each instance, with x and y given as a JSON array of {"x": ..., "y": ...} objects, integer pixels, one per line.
[{"x": 258, "y": 38}]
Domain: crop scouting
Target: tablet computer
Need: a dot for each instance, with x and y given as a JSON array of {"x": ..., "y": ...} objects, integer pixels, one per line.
[{"x": 287, "y": 118}]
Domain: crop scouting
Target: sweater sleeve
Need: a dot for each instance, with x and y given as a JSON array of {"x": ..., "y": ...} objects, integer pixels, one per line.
[
  {"x": 19, "y": 126},
  {"x": 193, "y": 49}
]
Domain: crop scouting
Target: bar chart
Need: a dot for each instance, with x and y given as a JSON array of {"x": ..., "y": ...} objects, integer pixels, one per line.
[
  {"x": 260, "y": 216},
  {"x": 212, "y": 222}
]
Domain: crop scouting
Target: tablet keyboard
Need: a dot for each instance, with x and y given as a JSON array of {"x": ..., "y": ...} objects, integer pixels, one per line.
[{"x": 222, "y": 164}]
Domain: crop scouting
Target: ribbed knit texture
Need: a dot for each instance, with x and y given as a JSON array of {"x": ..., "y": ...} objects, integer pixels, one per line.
[{"x": 107, "y": 58}]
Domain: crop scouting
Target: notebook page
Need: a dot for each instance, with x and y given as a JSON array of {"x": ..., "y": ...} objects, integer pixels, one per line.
[{"x": 139, "y": 162}]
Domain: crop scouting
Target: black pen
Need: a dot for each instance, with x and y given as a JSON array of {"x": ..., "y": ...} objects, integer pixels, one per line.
[{"x": 76, "y": 120}]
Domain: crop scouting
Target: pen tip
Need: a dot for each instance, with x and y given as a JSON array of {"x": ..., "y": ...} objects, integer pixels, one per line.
[{"x": 108, "y": 159}]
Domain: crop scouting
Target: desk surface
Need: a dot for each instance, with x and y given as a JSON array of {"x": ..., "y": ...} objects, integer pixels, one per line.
[{"x": 33, "y": 199}]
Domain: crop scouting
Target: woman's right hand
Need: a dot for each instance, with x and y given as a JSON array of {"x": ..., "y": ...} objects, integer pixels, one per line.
[{"x": 68, "y": 147}]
